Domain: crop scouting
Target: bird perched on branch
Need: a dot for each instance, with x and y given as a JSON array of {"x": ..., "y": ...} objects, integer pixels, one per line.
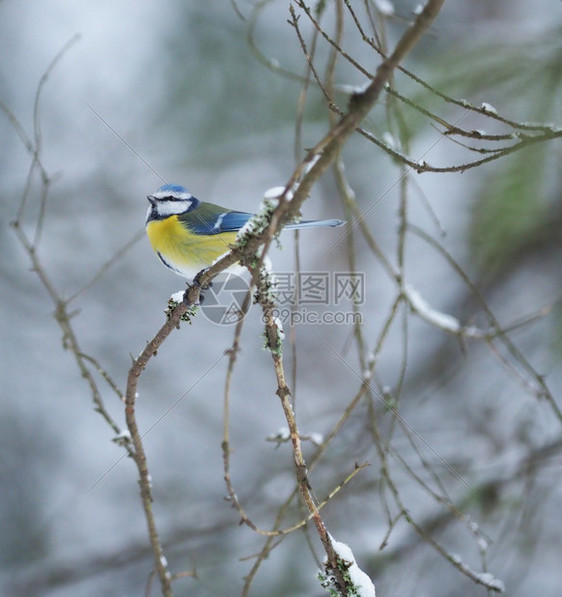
[{"x": 188, "y": 235}]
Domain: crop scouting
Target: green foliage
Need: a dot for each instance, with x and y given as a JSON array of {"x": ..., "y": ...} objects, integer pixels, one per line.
[
  {"x": 219, "y": 97},
  {"x": 510, "y": 211},
  {"x": 187, "y": 316},
  {"x": 328, "y": 580},
  {"x": 515, "y": 201}
]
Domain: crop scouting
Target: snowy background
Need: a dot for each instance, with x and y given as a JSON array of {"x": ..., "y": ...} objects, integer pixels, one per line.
[{"x": 178, "y": 82}]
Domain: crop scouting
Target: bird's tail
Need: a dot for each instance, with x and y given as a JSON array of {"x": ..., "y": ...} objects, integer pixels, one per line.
[{"x": 334, "y": 223}]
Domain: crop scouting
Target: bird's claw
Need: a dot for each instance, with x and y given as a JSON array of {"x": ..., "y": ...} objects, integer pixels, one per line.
[
  {"x": 197, "y": 280},
  {"x": 201, "y": 286}
]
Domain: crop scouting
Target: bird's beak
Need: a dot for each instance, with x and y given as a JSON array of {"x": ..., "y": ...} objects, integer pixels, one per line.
[{"x": 152, "y": 199}]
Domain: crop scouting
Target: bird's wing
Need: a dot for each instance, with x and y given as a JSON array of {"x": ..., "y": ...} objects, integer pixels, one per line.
[
  {"x": 232, "y": 221},
  {"x": 209, "y": 218}
]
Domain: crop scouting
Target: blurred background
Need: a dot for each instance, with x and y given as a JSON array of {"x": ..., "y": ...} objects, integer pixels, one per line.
[{"x": 180, "y": 92}]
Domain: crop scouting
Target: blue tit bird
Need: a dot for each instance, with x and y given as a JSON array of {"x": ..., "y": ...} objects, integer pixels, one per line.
[{"x": 188, "y": 235}]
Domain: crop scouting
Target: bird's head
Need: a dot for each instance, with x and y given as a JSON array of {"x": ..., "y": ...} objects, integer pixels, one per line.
[{"x": 169, "y": 200}]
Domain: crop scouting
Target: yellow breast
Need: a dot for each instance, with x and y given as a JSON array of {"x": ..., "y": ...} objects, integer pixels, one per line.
[{"x": 181, "y": 250}]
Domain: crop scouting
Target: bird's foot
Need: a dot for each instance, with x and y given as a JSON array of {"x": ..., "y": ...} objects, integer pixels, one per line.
[
  {"x": 199, "y": 285},
  {"x": 197, "y": 280}
]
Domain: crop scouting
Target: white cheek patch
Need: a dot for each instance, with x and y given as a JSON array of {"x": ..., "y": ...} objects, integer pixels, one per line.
[{"x": 171, "y": 208}]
